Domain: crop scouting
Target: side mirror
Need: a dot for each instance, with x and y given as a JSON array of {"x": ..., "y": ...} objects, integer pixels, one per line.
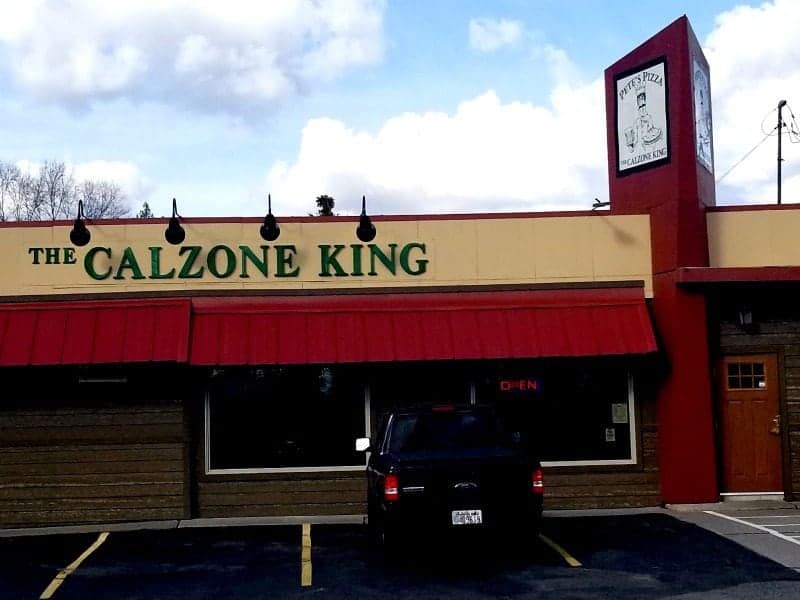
[{"x": 362, "y": 444}]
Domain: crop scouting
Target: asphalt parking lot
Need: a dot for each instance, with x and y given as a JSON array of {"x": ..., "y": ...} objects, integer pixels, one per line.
[{"x": 631, "y": 556}]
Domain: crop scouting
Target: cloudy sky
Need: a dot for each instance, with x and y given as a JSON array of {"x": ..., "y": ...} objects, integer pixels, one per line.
[{"x": 447, "y": 106}]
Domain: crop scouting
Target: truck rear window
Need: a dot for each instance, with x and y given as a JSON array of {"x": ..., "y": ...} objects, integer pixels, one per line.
[{"x": 443, "y": 431}]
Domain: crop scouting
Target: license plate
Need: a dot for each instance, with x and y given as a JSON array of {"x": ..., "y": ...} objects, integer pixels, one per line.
[{"x": 467, "y": 517}]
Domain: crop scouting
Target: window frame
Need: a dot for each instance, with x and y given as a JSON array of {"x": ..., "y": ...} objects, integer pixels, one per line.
[
  {"x": 264, "y": 470},
  {"x": 633, "y": 430}
]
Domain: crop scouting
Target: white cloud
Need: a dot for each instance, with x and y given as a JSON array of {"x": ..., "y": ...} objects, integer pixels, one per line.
[
  {"x": 235, "y": 54},
  {"x": 755, "y": 61},
  {"x": 487, "y": 155},
  {"x": 127, "y": 175},
  {"x": 495, "y": 155},
  {"x": 488, "y": 35}
]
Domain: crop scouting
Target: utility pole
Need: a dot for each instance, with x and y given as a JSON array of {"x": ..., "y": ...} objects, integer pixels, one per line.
[{"x": 781, "y": 104}]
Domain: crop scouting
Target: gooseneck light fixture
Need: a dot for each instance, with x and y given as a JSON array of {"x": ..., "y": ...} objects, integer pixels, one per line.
[
  {"x": 175, "y": 233},
  {"x": 366, "y": 229},
  {"x": 270, "y": 229},
  {"x": 80, "y": 235}
]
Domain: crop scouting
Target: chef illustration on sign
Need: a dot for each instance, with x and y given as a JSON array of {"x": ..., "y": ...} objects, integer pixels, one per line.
[
  {"x": 643, "y": 131},
  {"x": 642, "y": 125},
  {"x": 702, "y": 117}
]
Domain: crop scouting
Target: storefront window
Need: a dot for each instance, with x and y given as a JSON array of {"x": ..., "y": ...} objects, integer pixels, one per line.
[
  {"x": 407, "y": 385},
  {"x": 276, "y": 418},
  {"x": 567, "y": 413}
]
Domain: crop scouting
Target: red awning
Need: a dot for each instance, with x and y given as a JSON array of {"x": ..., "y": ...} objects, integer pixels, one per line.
[
  {"x": 420, "y": 326},
  {"x": 94, "y": 332}
]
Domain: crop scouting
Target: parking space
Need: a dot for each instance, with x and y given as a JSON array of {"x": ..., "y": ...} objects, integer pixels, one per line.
[
  {"x": 633, "y": 556},
  {"x": 771, "y": 532}
]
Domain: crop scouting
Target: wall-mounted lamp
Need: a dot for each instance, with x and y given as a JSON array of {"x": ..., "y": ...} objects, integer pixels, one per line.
[
  {"x": 80, "y": 235},
  {"x": 366, "y": 229},
  {"x": 175, "y": 233},
  {"x": 270, "y": 229}
]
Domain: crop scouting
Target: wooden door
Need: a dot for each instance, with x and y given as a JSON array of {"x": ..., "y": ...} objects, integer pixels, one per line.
[{"x": 750, "y": 419}]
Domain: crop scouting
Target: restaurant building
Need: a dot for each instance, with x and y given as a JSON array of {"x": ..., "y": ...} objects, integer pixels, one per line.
[{"x": 652, "y": 350}]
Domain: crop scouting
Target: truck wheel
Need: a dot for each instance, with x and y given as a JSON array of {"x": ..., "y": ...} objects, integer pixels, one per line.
[
  {"x": 382, "y": 536},
  {"x": 375, "y": 528}
]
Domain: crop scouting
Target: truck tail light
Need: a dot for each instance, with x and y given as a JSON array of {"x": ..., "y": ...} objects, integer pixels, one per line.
[
  {"x": 537, "y": 481},
  {"x": 391, "y": 487}
]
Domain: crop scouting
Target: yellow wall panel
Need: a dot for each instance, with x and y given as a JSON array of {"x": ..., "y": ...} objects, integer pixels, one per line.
[
  {"x": 754, "y": 238},
  {"x": 458, "y": 251}
]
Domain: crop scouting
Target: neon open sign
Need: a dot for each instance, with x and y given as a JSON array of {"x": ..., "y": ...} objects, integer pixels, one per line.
[{"x": 519, "y": 385}]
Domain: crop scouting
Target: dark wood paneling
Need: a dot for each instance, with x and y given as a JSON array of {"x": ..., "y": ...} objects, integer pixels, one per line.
[
  {"x": 72, "y": 491},
  {"x": 62, "y": 466},
  {"x": 298, "y": 496},
  {"x": 328, "y": 493},
  {"x": 89, "y": 453},
  {"x": 280, "y": 510},
  {"x": 66, "y": 515}
]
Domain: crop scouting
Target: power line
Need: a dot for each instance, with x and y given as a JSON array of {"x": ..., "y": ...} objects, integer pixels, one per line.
[{"x": 738, "y": 162}]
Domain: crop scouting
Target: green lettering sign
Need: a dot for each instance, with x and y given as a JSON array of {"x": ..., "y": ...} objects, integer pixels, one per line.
[
  {"x": 129, "y": 262},
  {"x": 357, "y": 248},
  {"x": 188, "y": 263},
  {"x": 258, "y": 263},
  {"x": 388, "y": 261},
  {"x": 422, "y": 263},
  {"x": 230, "y": 259},
  {"x": 69, "y": 256},
  {"x": 221, "y": 261},
  {"x": 155, "y": 265},
  {"x": 284, "y": 257},
  {"x": 36, "y": 252},
  {"x": 88, "y": 263},
  {"x": 328, "y": 259}
]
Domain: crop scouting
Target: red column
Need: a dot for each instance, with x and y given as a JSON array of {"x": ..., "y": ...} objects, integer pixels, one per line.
[{"x": 674, "y": 191}]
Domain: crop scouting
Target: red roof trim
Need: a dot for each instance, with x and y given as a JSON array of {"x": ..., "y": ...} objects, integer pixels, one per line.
[
  {"x": 388, "y": 218},
  {"x": 698, "y": 275},
  {"x": 752, "y": 207}
]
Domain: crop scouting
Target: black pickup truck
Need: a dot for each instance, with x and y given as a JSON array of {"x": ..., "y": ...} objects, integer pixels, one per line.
[{"x": 447, "y": 468}]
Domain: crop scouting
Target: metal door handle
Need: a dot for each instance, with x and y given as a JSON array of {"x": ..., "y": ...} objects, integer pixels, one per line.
[{"x": 775, "y": 425}]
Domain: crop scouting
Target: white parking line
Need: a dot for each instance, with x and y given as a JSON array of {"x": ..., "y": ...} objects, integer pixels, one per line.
[
  {"x": 777, "y": 534},
  {"x": 770, "y": 517}
]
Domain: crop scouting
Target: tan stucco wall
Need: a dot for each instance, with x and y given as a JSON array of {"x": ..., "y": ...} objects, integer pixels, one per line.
[
  {"x": 754, "y": 238},
  {"x": 479, "y": 251}
]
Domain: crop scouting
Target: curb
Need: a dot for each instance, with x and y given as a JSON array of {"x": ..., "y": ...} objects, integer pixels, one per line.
[{"x": 186, "y": 524}]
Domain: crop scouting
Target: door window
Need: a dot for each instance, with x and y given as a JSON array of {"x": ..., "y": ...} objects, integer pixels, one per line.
[{"x": 746, "y": 376}]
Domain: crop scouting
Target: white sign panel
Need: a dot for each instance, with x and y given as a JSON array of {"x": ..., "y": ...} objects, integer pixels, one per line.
[
  {"x": 642, "y": 127},
  {"x": 702, "y": 116},
  {"x": 619, "y": 413}
]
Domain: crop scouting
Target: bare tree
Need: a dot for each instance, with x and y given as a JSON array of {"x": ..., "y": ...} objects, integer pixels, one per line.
[
  {"x": 53, "y": 194},
  {"x": 102, "y": 200},
  {"x": 9, "y": 175},
  {"x": 30, "y": 197},
  {"x": 57, "y": 188}
]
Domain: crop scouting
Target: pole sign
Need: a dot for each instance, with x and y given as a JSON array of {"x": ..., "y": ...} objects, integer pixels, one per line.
[{"x": 642, "y": 121}]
